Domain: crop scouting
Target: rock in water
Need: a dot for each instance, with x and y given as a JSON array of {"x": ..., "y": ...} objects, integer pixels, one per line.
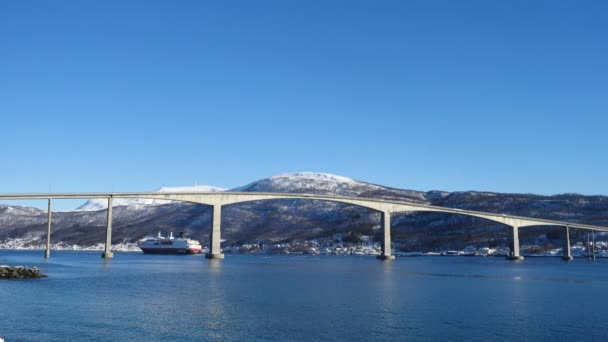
[{"x": 19, "y": 272}]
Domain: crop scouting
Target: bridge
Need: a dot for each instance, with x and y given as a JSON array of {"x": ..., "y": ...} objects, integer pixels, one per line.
[{"x": 386, "y": 207}]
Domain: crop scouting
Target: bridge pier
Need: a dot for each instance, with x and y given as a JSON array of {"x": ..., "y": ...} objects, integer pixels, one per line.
[
  {"x": 514, "y": 254},
  {"x": 215, "y": 249},
  {"x": 47, "y": 251},
  {"x": 592, "y": 244},
  {"x": 107, "y": 253},
  {"x": 387, "y": 253},
  {"x": 566, "y": 253}
]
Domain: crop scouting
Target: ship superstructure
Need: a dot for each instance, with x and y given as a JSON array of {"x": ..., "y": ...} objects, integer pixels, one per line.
[{"x": 170, "y": 245}]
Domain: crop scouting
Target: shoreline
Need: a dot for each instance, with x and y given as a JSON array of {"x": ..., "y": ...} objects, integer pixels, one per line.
[{"x": 397, "y": 255}]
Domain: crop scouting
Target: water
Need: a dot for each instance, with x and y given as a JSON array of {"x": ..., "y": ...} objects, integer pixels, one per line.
[{"x": 140, "y": 297}]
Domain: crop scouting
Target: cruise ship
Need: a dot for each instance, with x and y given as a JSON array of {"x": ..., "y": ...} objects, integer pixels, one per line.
[{"x": 169, "y": 245}]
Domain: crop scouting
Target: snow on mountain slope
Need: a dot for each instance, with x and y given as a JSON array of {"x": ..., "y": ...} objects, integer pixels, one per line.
[
  {"x": 327, "y": 184},
  {"x": 136, "y": 203},
  {"x": 311, "y": 182},
  {"x": 282, "y": 220},
  {"x": 299, "y": 182}
]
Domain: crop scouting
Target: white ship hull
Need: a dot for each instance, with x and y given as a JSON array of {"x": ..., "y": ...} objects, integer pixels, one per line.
[
  {"x": 177, "y": 250},
  {"x": 169, "y": 245}
]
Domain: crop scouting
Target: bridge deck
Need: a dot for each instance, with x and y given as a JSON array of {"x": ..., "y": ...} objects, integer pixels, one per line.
[{"x": 226, "y": 198}]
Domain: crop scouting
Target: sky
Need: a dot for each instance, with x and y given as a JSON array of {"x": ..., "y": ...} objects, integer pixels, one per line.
[{"x": 506, "y": 96}]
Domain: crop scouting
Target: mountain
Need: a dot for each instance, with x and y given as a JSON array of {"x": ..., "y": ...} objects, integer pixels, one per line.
[
  {"x": 101, "y": 204},
  {"x": 286, "y": 220},
  {"x": 327, "y": 184}
]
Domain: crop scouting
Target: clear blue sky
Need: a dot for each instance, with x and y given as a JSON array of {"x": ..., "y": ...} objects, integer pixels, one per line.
[{"x": 507, "y": 96}]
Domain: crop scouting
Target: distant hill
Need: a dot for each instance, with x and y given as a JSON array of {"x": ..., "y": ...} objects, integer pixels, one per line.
[
  {"x": 101, "y": 203},
  {"x": 285, "y": 220}
]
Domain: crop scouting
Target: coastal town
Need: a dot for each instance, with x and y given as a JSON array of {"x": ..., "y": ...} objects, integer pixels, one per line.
[{"x": 331, "y": 246}]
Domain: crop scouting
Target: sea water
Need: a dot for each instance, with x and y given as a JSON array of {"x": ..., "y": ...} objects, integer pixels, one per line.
[{"x": 136, "y": 297}]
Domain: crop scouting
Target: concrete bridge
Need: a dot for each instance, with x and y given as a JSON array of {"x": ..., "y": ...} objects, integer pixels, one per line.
[{"x": 219, "y": 199}]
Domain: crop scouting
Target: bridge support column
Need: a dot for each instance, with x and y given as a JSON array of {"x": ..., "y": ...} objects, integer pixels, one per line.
[
  {"x": 47, "y": 251},
  {"x": 107, "y": 253},
  {"x": 387, "y": 253},
  {"x": 215, "y": 249},
  {"x": 514, "y": 254},
  {"x": 566, "y": 253},
  {"x": 593, "y": 244}
]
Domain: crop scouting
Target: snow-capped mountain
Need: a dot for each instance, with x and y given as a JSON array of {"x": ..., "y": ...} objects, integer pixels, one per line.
[
  {"x": 9, "y": 213},
  {"x": 327, "y": 184},
  {"x": 101, "y": 203},
  {"x": 301, "y": 182},
  {"x": 285, "y": 220}
]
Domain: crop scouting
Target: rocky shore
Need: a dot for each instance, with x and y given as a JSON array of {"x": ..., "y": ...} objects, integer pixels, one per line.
[{"x": 19, "y": 272}]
